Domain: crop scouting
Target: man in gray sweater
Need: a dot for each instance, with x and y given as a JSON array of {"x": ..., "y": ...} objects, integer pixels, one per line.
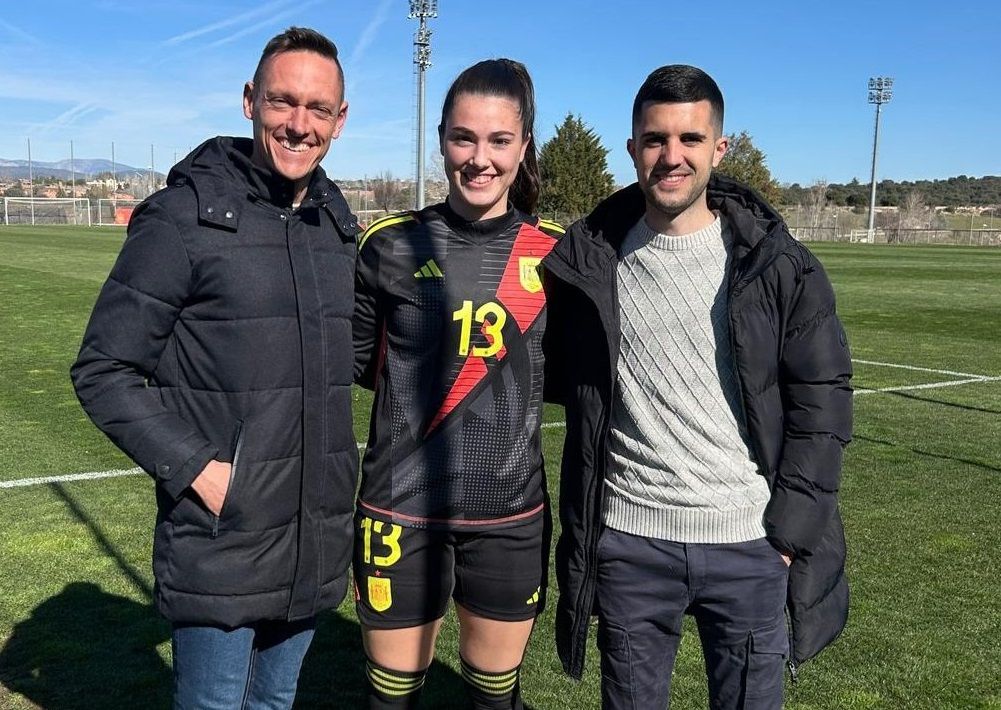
[{"x": 720, "y": 432}]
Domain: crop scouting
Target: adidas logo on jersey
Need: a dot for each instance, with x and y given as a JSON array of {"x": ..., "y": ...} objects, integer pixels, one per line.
[{"x": 430, "y": 270}]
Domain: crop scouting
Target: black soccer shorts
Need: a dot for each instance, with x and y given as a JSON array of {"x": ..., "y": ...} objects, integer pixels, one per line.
[{"x": 404, "y": 576}]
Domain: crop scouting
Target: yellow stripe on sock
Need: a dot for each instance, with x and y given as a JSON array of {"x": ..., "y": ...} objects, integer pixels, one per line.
[
  {"x": 492, "y": 683},
  {"x": 391, "y": 683}
]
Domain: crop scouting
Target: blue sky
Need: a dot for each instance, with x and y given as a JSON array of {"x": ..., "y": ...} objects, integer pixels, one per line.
[{"x": 170, "y": 73}]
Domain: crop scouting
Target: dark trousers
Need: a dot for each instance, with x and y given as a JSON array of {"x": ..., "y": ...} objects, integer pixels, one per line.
[{"x": 736, "y": 592}]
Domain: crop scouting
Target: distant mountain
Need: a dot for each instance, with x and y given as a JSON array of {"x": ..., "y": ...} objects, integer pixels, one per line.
[{"x": 85, "y": 167}]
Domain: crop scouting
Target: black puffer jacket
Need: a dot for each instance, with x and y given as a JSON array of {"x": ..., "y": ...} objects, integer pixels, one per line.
[
  {"x": 224, "y": 331},
  {"x": 794, "y": 367}
]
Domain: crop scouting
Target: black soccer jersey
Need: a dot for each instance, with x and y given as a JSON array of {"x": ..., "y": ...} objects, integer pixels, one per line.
[{"x": 449, "y": 323}]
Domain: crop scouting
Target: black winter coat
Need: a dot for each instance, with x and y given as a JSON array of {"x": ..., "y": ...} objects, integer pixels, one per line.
[
  {"x": 792, "y": 358},
  {"x": 224, "y": 332}
]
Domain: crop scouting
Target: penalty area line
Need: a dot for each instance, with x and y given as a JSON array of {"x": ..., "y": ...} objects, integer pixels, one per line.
[
  {"x": 928, "y": 385},
  {"x": 915, "y": 368}
]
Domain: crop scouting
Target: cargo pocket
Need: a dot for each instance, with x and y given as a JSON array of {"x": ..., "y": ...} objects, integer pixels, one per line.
[
  {"x": 767, "y": 651},
  {"x": 616, "y": 660}
]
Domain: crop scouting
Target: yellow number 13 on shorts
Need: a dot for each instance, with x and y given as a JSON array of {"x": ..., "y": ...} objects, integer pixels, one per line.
[{"x": 389, "y": 540}]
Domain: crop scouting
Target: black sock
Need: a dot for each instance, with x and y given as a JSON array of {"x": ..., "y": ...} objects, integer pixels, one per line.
[
  {"x": 492, "y": 691},
  {"x": 392, "y": 689}
]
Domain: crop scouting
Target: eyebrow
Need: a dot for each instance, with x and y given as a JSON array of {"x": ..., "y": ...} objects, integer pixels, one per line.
[
  {"x": 493, "y": 134},
  {"x": 686, "y": 135}
]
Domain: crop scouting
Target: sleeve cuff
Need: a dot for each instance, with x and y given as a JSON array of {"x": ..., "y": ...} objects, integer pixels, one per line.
[{"x": 176, "y": 481}]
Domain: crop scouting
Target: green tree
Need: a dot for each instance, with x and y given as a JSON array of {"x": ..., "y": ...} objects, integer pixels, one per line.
[
  {"x": 745, "y": 162},
  {"x": 574, "y": 169}
]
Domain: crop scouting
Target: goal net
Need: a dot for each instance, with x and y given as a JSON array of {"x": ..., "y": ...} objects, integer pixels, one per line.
[
  {"x": 115, "y": 211},
  {"x": 46, "y": 210}
]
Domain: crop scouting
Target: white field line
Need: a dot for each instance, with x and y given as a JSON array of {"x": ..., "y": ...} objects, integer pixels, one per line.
[
  {"x": 115, "y": 473},
  {"x": 922, "y": 369},
  {"x": 928, "y": 385},
  {"x": 71, "y": 477},
  {"x": 969, "y": 379}
]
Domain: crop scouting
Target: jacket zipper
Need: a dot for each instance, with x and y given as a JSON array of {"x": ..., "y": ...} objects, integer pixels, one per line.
[
  {"x": 229, "y": 486},
  {"x": 793, "y": 668},
  {"x": 591, "y": 544},
  {"x": 791, "y": 663}
]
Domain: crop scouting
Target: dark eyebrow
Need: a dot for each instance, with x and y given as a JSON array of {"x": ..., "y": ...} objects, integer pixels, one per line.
[{"x": 686, "y": 136}]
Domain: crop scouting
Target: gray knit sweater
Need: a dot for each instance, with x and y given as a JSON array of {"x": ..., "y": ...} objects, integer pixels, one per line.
[{"x": 680, "y": 467}]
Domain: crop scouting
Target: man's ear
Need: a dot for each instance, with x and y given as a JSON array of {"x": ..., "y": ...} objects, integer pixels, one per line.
[
  {"x": 342, "y": 117},
  {"x": 722, "y": 145},
  {"x": 248, "y": 100}
]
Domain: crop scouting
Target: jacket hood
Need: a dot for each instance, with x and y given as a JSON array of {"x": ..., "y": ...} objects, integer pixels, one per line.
[{"x": 224, "y": 178}]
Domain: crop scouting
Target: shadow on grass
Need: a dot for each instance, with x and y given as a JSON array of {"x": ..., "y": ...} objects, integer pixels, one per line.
[
  {"x": 141, "y": 585},
  {"x": 87, "y": 648},
  {"x": 932, "y": 400},
  {"x": 931, "y": 454}
]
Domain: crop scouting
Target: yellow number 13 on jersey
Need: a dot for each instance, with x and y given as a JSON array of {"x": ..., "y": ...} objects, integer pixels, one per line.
[{"x": 493, "y": 318}]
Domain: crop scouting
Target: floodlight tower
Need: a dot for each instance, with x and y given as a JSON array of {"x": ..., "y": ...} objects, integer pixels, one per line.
[
  {"x": 880, "y": 92},
  {"x": 422, "y": 11}
]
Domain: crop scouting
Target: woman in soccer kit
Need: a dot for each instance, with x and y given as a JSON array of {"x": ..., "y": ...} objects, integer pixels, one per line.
[{"x": 449, "y": 324}]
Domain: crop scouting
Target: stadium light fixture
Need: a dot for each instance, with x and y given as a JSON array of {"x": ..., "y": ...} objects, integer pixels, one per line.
[
  {"x": 422, "y": 11},
  {"x": 880, "y": 92}
]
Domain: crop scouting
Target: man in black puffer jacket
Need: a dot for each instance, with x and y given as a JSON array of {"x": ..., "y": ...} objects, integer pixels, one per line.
[
  {"x": 705, "y": 376},
  {"x": 219, "y": 358}
]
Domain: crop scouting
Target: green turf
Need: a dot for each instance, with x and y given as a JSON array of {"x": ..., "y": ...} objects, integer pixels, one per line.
[{"x": 921, "y": 501}]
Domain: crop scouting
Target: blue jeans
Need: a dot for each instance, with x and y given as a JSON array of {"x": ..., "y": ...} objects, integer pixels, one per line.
[
  {"x": 247, "y": 668},
  {"x": 737, "y": 594}
]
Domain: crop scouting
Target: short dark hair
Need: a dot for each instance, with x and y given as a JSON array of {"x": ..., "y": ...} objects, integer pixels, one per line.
[
  {"x": 298, "y": 39},
  {"x": 680, "y": 84},
  {"x": 511, "y": 80}
]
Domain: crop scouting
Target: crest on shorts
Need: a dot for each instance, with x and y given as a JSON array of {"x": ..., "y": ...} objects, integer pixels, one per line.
[
  {"x": 380, "y": 593},
  {"x": 528, "y": 273}
]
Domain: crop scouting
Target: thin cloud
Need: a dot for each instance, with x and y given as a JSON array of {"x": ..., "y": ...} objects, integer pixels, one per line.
[
  {"x": 265, "y": 23},
  {"x": 368, "y": 34},
  {"x": 67, "y": 118},
  {"x": 230, "y": 22},
  {"x": 19, "y": 33}
]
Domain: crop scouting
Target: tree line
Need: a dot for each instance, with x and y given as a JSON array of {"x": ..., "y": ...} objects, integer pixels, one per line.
[
  {"x": 952, "y": 192},
  {"x": 575, "y": 177}
]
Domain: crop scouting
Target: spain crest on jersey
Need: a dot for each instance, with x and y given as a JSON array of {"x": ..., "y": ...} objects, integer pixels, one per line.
[
  {"x": 528, "y": 272},
  {"x": 380, "y": 593}
]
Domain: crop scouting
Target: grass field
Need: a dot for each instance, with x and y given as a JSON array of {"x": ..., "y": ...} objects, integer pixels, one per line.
[{"x": 921, "y": 500}]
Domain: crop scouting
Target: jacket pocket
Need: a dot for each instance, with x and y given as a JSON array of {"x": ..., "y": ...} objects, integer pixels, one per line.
[{"x": 232, "y": 480}]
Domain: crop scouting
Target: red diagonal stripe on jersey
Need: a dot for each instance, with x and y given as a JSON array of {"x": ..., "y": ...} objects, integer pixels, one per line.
[
  {"x": 472, "y": 372},
  {"x": 524, "y": 305}
]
